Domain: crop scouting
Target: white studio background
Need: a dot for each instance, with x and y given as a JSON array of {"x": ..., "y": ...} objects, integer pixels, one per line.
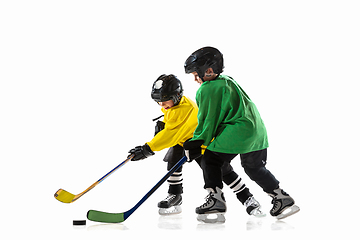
[{"x": 75, "y": 90}]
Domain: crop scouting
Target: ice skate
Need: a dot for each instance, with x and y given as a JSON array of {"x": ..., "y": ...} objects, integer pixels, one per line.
[
  {"x": 284, "y": 205},
  {"x": 253, "y": 207},
  {"x": 170, "y": 205},
  {"x": 213, "y": 210}
]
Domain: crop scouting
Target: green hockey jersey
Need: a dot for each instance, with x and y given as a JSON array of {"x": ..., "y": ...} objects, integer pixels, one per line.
[{"x": 228, "y": 121}]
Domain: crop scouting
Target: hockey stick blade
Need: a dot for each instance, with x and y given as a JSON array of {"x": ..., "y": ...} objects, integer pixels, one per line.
[
  {"x": 67, "y": 197},
  {"x": 64, "y": 196},
  {"x": 98, "y": 216}
]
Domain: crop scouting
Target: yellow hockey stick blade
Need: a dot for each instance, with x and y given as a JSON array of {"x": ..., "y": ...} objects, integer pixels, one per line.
[{"x": 64, "y": 196}]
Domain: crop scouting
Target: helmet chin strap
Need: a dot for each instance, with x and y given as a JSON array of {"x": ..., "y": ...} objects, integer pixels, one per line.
[{"x": 208, "y": 76}]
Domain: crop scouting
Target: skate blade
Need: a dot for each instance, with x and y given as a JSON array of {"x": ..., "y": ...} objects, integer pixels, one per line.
[
  {"x": 170, "y": 211},
  {"x": 257, "y": 213},
  {"x": 211, "y": 218},
  {"x": 288, "y": 212}
]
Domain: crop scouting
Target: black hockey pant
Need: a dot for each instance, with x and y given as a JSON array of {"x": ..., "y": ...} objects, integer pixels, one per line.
[{"x": 253, "y": 164}]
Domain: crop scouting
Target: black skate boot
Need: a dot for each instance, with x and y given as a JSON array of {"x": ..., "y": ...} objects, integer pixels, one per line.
[
  {"x": 283, "y": 205},
  {"x": 253, "y": 207},
  {"x": 212, "y": 211},
  {"x": 170, "y": 205}
]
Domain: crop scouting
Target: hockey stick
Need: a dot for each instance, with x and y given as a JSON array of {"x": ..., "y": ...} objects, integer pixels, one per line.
[
  {"x": 105, "y": 217},
  {"x": 66, "y": 197}
]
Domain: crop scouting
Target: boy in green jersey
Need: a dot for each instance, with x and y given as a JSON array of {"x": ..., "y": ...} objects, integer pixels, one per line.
[{"x": 229, "y": 124}]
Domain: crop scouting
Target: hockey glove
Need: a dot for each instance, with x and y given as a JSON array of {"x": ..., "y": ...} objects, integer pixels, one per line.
[
  {"x": 193, "y": 149},
  {"x": 141, "y": 152},
  {"x": 159, "y": 127}
]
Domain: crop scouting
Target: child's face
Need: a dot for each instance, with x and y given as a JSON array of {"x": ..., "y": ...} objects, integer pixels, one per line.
[
  {"x": 166, "y": 105},
  {"x": 197, "y": 78},
  {"x": 209, "y": 75}
]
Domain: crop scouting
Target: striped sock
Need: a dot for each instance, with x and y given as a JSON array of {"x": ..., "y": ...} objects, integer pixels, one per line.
[
  {"x": 237, "y": 186},
  {"x": 175, "y": 178}
]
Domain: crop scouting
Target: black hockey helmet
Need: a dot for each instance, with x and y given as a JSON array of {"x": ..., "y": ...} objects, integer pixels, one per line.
[
  {"x": 204, "y": 58},
  {"x": 167, "y": 87}
]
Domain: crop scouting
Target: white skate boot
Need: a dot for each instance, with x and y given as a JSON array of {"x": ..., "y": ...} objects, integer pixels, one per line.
[
  {"x": 170, "y": 205},
  {"x": 284, "y": 206},
  {"x": 253, "y": 207},
  {"x": 213, "y": 210}
]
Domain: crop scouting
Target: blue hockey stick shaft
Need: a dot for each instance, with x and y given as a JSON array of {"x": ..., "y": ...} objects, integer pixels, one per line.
[{"x": 172, "y": 170}]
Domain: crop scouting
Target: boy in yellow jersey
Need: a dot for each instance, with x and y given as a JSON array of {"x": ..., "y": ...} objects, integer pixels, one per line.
[{"x": 180, "y": 121}]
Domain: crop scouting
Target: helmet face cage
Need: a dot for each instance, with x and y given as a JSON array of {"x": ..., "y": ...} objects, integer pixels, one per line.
[
  {"x": 203, "y": 59},
  {"x": 167, "y": 87}
]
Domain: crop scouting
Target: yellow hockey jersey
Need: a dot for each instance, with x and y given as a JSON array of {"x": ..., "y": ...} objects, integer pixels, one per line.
[{"x": 180, "y": 123}]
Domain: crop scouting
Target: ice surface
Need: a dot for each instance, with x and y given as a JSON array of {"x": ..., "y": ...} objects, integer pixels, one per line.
[{"x": 75, "y": 84}]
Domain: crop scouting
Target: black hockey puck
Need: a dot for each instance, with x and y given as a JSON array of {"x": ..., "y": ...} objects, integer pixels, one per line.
[{"x": 79, "y": 222}]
